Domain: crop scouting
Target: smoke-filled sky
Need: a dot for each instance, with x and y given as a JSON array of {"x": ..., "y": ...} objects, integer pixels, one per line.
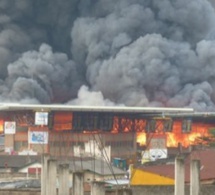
[{"x": 108, "y": 52}]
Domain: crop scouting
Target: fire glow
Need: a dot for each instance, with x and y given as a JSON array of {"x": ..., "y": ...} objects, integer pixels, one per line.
[
  {"x": 173, "y": 136},
  {"x": 177, "y": 136}
]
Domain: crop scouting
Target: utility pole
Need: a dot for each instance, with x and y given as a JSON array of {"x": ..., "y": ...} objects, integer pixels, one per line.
[
  {"x": 195, "y": 177},
  {"x": 44, "y": 173},
  {"x": 52, "y": 175},
  {"x": 78, "y": 183},
  {"x": 63, "y": 179},
  {"x": 179, "y": 176}
]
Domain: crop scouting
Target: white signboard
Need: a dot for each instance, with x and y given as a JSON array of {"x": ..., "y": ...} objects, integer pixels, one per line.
[
  {"x": 38, "y": 137},
  {"x": 10, "y": 127},
  {"x": 41, "y": 118},
  {"x": 155, "y": 154}
]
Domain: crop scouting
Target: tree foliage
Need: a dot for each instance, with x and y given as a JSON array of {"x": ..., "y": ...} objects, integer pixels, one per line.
[{"x": 207, "y": 140}]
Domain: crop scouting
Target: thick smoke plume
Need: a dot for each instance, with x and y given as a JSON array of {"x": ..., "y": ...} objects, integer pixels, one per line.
[{"x": 107, "y": 52}]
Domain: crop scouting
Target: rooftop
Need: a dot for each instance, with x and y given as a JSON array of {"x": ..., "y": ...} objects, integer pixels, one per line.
[
  {"x": 75, "y": 164},
  {"x": 17, "y": 161},
  {"x": 64, "y": 107},
  {"x": 207, "y": 161},
  {"x": 95, "y": 165}
]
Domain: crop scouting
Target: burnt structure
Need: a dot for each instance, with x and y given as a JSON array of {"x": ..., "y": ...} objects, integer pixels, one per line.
[{"x": 66, "y": 126}]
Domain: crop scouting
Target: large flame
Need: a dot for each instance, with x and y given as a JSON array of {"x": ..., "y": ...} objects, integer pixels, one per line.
[
  {"x": 173, "y": 138},
  {"x": 176, "y": 136},
  {"x": 184, "y": 139},
  {"x": 1, "y": 126},
  {"x": 122, "y": 124}
]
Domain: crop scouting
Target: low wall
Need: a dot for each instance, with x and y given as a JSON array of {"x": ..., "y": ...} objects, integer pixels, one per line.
[
  {"x": 20, "y": 192},
  {"x": 12, "y": 175},
  {"x": 134, "y": 190},
  {"x": 169, "y": 190}
]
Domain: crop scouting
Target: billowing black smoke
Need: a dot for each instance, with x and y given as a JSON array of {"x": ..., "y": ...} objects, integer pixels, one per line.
[{"x": 108, "y": 52}]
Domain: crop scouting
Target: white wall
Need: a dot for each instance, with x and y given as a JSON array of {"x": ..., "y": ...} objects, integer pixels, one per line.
[{"x": 25, "y": 169}]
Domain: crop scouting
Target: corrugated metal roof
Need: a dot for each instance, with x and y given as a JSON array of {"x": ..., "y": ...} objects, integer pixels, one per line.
[
  {"x": 63, "y": 107},
  {"x": 16, "y": 161},
  {"x": 117, "y": 182},
  {"x": 98, "y": 166}
]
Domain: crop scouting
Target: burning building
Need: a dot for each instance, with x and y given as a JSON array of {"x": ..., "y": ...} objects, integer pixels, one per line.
[
  {"x": 105, "y": 53},
  {"x": 63, "y": 130}
]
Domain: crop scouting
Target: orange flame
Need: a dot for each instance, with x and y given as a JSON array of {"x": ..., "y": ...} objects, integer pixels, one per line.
[
  {"x": 126, "y": 124},
  {"x": 1, "y": 126},
  {"x": 185, "y": 139},
  {"x": 177, "y": 136},
  {"x": 141, "y": 138}
]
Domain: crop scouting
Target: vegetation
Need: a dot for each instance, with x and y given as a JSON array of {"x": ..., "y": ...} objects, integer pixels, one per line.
[{"x": 207, "y": 140}]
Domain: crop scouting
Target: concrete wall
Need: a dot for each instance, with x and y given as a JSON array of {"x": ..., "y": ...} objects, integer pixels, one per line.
[
  {"x": 137, "y": 190},
  {"x": 35, "y": 165},
  {"x": 20, "y": 192},
  {"x": 5, "y": 176},
  {"x": 169, "y": 190}
]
